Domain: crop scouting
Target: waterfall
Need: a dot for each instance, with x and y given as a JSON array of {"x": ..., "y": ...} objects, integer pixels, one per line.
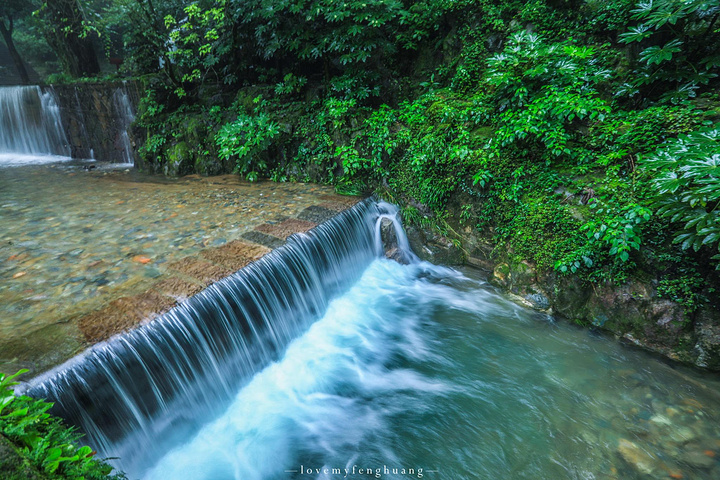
[
  {"x": 138, "y": 394},
  {"x": 30, "y": 122},
  {"x": 126, "y": 116}
]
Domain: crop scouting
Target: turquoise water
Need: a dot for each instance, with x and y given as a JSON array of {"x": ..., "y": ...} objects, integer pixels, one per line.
[{"x": 422, "y": 370}]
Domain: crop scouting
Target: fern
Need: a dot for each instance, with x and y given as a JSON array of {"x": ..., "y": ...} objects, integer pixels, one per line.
[{"x": 686, "y": 179}]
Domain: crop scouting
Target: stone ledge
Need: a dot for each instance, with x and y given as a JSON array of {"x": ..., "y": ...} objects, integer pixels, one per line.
[{"x": 284, "y": 229}]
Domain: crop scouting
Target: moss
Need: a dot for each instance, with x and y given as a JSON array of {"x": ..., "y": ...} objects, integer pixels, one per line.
[
  {"x": 13, "y": 466},
  {"x": 178, "y": 156}
]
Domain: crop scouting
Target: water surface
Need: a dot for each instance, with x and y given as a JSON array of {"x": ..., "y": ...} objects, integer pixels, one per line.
[{"x": 421, "y": 368}]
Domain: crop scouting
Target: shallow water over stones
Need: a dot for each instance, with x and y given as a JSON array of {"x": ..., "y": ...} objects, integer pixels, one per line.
[{"x": 78, "y": 238}]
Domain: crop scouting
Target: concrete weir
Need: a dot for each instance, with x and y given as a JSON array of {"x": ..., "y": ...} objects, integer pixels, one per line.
[
  {"x": 127, "y": 393},
  {"x": 189, "y": 275}
]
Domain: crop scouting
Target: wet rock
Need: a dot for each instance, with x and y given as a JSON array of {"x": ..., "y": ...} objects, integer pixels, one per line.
[
  {"x": 538, "y": 301},
  {"x": 123, "y": 314},
  {"x": 235, "y": 255},
  {"x": 346, "y": 201},
  {"x": 501, "y": 275},
  {"x": 317, "y": 214},
  {"x": 434, "y": 248},
  {"x": 263, "y": 239},
  {"x": 397, "y": 255},
  {"x": 285, "y": 229},
  {"x": 176, "y": 288},
  {"x": 203, "y": 271},
  {"x": 707, "y": 347},
  {"x": 637, "y": 458},
  {"x": 388, "y": 235},
  {"x": 697, "y": 458}
]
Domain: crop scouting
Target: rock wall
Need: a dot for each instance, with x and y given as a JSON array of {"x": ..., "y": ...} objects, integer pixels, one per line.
[
  {"x": 96, "y": 117},
  {"x": 632, "y": 312}
]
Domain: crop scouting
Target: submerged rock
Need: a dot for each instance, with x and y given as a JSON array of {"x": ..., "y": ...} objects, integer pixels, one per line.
[{"x": 637, "y": 458}]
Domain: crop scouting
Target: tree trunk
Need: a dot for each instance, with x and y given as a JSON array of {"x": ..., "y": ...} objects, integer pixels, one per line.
[
  {"x": 6, "y": 32},
  {"x": 66, "y": 35}
]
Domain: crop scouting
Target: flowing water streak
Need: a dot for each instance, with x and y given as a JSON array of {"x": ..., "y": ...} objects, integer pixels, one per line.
[
  {"x": 141, "y": 393},
  {"x": 30, "y": 122},
  {"x": 81, "y": 124},
  {"x": 125, "y": 113}
]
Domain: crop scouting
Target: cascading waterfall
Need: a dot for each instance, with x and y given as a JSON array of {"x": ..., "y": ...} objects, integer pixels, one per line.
[
  {"x": 125, "y": 113},
  {"x": 286, "y": 371},
  {"x": 137, "y": 394},
  {"x": 30, "y": 123}
]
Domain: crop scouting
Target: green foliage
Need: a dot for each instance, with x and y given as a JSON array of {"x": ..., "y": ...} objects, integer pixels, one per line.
[
  {"x": 685, "y": 177},
  {"x": 680, "y": 40},
  {"x": 196, "y": 39},
  {"x": 43, "y": 440},
  {"x": 684, "y": 289},
  {"x": 247, "y": 140},
  {"x": 526, "y": 117},
  {"x": 349, "y": 32},
  {"x": 542, "y": 91},
  {"x": 621, "y": 229}
]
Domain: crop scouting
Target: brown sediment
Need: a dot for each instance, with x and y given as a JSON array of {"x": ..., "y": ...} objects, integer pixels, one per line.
[
  {"x": 203, "y": 271},
  {"x": 235, "y": 255},
  {"x": 123, "y": 314},
  {"x": 286, "y": 228}
]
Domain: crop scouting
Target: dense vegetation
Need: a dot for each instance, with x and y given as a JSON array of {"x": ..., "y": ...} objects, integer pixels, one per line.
[{"x": 36, "y": 445}]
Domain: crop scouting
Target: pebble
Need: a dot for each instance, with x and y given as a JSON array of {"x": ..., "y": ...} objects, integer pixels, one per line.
[{"x": 636, "y": 457}]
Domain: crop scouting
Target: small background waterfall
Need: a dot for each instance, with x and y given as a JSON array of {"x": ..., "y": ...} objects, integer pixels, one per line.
[
  {"x": 126, "y": 116},
  {"x": 30, "y": 123}
]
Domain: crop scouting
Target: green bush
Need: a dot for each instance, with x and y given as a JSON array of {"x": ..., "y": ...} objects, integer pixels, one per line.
[
  {"x": 685, "y": 177},
  {"x": 247, "y": 140},
  {"x": 43, "y": 440}
]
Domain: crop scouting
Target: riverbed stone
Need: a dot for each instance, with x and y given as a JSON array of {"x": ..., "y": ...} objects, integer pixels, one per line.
[
  {"x": 235, "y": 255},
  {"x": 123, "y": 314},
  {"x": 636, "y": 457},
  {"x": 284, "y": 229},
  {"x": 695, "y": 457}
]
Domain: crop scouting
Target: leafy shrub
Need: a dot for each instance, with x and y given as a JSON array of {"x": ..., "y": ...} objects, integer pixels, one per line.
[
  {"x": 681, "y": 43},
  {"x": 43, "y": 440},
  {"x": 246, "y": 140},
  {"x": 685, "y": 176},
  {"x": 542, "y": 91}
]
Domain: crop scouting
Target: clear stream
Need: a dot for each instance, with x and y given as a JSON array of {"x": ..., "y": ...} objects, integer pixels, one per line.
[{"x": 422, "y": 368}]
